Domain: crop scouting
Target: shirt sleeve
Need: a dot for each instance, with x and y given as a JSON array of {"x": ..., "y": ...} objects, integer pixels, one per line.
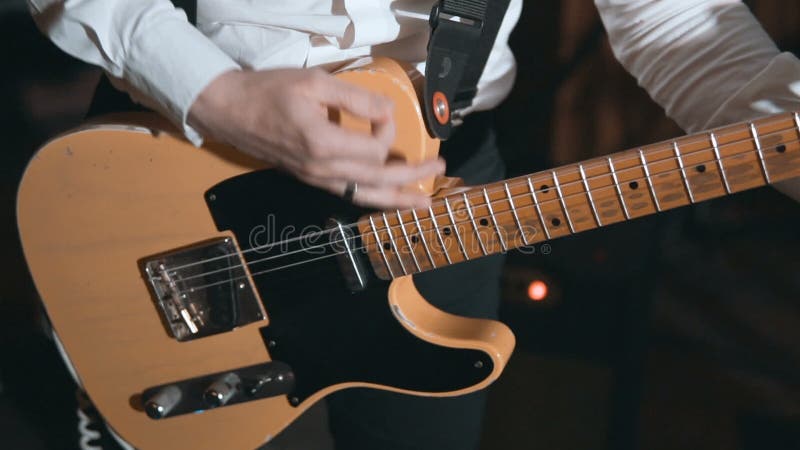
[
  {"x": 163, "y": 60},
  {"x": 706, "y": 62}
]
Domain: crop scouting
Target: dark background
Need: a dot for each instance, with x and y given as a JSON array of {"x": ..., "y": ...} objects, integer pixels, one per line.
[{"x": 676, "y": 331}]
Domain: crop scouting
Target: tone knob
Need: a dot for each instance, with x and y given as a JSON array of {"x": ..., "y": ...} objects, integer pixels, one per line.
[
  {"x": 222, "y": 390},
  {"x": 160, "y": 404}
]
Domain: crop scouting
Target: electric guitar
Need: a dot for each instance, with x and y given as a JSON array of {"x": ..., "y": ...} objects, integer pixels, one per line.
[{"x": 183, "y": 280}]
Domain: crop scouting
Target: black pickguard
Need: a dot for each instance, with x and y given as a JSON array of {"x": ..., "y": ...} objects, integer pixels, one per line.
[{"x": 325, "y": 332}]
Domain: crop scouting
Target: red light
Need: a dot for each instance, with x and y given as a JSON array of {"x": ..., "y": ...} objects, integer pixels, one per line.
[{"x": 537, "y": 290}]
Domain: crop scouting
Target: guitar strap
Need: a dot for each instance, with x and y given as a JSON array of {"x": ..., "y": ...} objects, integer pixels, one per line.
[{"x": 462, "y": 36}]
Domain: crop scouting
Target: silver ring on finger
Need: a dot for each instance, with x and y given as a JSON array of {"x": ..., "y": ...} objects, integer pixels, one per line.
[{"x": 350, "y": 191}]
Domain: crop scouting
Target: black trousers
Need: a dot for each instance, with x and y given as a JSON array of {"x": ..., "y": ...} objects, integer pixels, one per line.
[
  {"x": 366, "y": 419},
  {"x": 363, "y": 419}
]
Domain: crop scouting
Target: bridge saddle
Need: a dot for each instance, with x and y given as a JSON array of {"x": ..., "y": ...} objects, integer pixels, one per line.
[{"x": 202, "y": 290}]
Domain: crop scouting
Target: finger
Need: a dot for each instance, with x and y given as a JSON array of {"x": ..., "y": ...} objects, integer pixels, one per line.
[
  {"x": 389, "y": 198},
  {"x": 384, "y": 132},
  {"x": 327, "y": 140},
  {"x": 376, "y": 108},
  {"x": 355, "y": 99},
  {"x": 391, "y": 174},
  {"x": 374, "y": 197}
]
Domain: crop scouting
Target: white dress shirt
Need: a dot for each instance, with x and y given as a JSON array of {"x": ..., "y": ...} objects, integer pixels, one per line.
[
  {"x": 707, "y": 62},
  {"x": 164, "y": 62}
]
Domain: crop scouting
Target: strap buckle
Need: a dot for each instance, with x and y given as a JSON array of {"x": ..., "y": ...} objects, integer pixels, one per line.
[
  {"x": 437, "y": 14},
  {"x": 454, "y": 37}
]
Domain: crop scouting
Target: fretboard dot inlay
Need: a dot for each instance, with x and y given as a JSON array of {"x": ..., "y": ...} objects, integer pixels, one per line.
[{"x": 523, "y": 211}]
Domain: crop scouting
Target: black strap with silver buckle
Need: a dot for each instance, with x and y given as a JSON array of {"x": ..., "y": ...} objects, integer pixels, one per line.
[
  {"x": 463, "y": 33},
  {"x": 462, "y": 36}
]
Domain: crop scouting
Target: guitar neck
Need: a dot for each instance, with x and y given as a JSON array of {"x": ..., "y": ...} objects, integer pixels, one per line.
[{"x": 521, "y": 211}]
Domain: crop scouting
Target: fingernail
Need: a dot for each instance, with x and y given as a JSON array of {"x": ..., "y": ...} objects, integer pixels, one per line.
[{"x": 423, "y": 202}]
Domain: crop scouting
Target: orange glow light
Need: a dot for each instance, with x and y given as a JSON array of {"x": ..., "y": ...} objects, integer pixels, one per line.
[{"x": 537, "y": 290}]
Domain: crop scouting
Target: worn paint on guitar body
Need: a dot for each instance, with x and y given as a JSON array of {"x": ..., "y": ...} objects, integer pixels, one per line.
[{"x": 93, "y": 203}]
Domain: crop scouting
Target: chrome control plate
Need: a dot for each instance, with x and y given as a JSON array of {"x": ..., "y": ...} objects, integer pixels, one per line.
[{"x": 241, "y": 385}]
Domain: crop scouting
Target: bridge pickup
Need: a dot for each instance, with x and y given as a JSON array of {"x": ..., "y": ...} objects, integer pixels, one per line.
[{"x": 202, "y": 290}]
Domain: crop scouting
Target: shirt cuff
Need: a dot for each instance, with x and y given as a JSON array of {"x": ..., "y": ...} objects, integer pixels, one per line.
[{"x": 170, "y": 62}]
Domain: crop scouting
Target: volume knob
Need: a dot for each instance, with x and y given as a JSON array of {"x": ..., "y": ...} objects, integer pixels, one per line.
[
  {"x": 160, "y": 404},
  {"x": 222, "y": 390}
]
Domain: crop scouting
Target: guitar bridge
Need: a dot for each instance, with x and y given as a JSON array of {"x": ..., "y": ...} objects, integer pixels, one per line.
[{"x": 202, "y": 290}]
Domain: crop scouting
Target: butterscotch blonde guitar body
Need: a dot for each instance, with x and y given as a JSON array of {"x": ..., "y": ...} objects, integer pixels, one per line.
[{"x": 96, "y": 203}]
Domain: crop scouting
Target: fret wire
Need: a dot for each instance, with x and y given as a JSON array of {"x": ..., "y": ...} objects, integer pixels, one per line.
[
  {"x": 494, "y": 219},
  {"x": 648, "y": 176},
  {"x": 422, "y": 236},
  {"x": 563, "y": 202},
  {"x": 514, "y": 211},
  {"x": 649, "y": 181},
  {"x": 619, "y": 189},
  {"x": 394, "y": 244},
  {"x": 439, "y": 234},
  {"x": 455, "y": 228},
  {"x": 408, "y": 241},
  {"x": 589, "y": 195},
  {"x": 683, "y": 171},
  {"x": 716, "y": 151},
  {"x": 380, "y": 246},
  {"x": 538, "y": 208},
  {"x": 378, "y": 238},
  {"x": 797, "y": 122},
  {"x": 719, "y": 162},
  {"x": 645, "y": 166},
  {"x": 474, "y": 225},
  {"x": 760, "y": 153}
]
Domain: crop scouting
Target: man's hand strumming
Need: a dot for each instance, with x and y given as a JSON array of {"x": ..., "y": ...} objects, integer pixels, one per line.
[{"x": 281, "y": 117}]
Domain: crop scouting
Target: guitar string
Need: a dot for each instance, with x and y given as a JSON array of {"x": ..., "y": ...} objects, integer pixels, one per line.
[
  {"x": 525, "y": 194},
  {"x": 395, "y": 227},
  {"x": 523, "y": 180},
  {"x": 703, "y": 137},
  {"x": 426, "y": 230}
]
